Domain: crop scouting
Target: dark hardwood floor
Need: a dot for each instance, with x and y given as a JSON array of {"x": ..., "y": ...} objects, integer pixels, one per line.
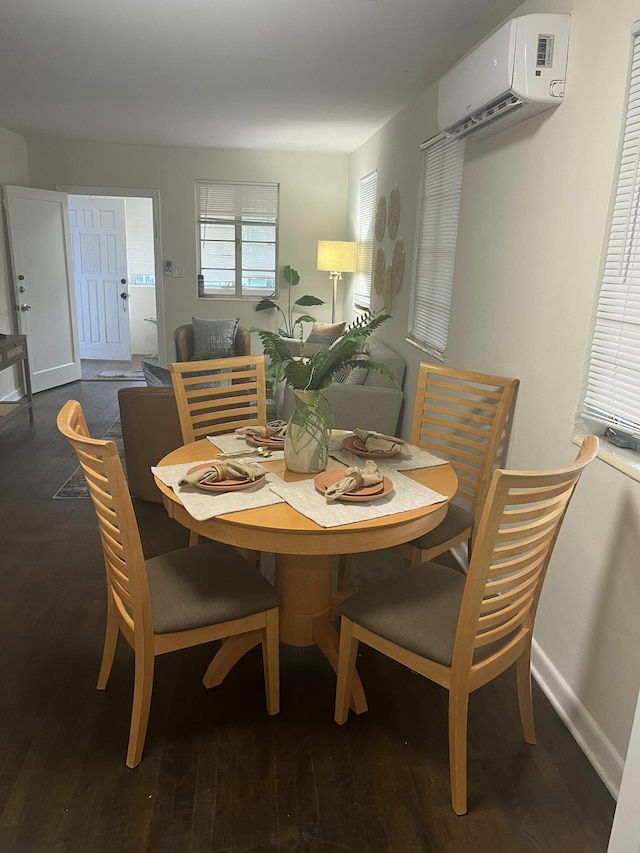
[{"x": 218, "y": 774}]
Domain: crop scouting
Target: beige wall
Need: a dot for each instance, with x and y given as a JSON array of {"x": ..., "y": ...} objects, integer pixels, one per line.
[
  {"x": 313, "y": 191},
  {"x": 534, "y": 212},
  {"x": 13, "y": 171}
]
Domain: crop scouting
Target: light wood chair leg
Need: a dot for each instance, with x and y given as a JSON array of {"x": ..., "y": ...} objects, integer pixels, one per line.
[
  {"x": 194, "y": 538},
  {"x": 142, "y": 688},
  {"x": 525, "y": 698},
  {"x": 230, "y": 652},
  {"x": 346, "y": 669},
  {"x": 458, "y": 714},
  {"x": 344, "y": 567},
  {"x": 110, "y": 644},
  {"x": 271, "y": 661}
]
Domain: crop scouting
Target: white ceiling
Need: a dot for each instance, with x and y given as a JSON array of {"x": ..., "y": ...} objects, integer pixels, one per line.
[{"x": 282, "y": 75}]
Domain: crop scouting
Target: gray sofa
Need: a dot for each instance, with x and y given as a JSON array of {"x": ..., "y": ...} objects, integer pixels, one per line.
[{"x": 367, "y": 399}]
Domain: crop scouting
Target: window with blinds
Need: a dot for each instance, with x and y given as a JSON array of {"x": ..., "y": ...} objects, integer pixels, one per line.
[
  {"x": 613, "y": 384},
  {"x": 443, "y": 161},
  {"x": 238, "y": 228},
  {"x": 141, "y": 266},
  {"x": 366, "y": 231}
]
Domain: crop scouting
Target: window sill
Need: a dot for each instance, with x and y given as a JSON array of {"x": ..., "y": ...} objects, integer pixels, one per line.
[
  {"x": 625, "y": 460},
  {"x": 434, "y": 357}
]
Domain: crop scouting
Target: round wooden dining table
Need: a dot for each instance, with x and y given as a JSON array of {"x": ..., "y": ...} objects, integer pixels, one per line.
[{"x": 304, "y": 551}]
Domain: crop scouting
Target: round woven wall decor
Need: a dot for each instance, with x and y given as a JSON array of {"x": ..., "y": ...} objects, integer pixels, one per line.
[
  {"x": 397, "y": 266},
  {"x": 393, "y": 216},
  {"x": 381, "y": 218},
  {"x": 378, "y": 271}
]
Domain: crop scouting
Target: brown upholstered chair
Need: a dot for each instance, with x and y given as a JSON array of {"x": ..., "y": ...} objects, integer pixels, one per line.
[
  {"x": 461, "y": 632},
  {"x": 173, "y": 601},
  {"x": 150, "y": 429},
  {"x": 184, "y": 341}
]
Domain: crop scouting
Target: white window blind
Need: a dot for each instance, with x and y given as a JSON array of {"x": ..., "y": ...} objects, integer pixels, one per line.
[
  {"x": 238, "y": 224},
  {"x": 366, "y": 230},
  {"x": 140, "y": 260},
  {"x": 443, "y": 161},
  {"x": 613, "y": 382}
]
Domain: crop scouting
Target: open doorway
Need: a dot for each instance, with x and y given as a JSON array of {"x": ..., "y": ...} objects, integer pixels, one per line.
[{"x": 114, "y": 242}]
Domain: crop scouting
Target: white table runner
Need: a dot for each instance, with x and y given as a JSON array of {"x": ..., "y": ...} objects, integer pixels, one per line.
[
  {"x": 306, "y": 499},
  {"x": 419, "y": 458},
  {"x": 202, "y": 505}
]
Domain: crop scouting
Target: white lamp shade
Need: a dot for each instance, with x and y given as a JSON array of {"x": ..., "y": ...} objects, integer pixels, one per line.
[{"x": 336, "y": 256}]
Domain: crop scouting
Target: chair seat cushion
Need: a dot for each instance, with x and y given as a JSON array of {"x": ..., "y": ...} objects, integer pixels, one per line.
[
  {"x": 205, "y": 585},
  {"x": 417, "y": 609},
  {"x": 456, "y": 521}
]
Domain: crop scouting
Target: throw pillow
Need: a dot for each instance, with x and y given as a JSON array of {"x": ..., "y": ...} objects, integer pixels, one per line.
[
  {"x": 332, "y": 330},
  {"x": 357, "y": 375},
  {"x": 155, "y": 374},
  {"x": 214, "y": 338},
  {"x": 325, "y": 340}
]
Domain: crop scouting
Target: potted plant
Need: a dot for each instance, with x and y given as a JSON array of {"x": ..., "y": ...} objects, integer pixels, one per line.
[
  {"x": 307, "y": 441},
  {"x": 288, "y": 328}
]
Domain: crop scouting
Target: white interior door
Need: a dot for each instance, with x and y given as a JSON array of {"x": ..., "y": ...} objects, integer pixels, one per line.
[
  {"x": 98, "y": 233},
  {"x": 41, "y": 257}
]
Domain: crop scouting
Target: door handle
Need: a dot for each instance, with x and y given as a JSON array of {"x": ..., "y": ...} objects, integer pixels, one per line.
[
  {"x": 25, "y": 307},
  {"x": 124, "y": 295}
]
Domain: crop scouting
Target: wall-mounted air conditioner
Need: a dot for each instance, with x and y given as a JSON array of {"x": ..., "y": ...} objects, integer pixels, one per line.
[{"x": 515, "y": 73}]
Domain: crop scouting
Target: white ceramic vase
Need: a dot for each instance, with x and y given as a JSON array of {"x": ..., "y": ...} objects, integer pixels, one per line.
[{"x": 306, "y": 446}]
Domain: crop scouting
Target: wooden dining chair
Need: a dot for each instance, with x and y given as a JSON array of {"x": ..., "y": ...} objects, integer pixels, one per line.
[
  {"x": 461, "y": 631},
  {"x": 219, "y": 395},
  {"x": 173, "y": 601},
  {"x": 459, "y": 415}
]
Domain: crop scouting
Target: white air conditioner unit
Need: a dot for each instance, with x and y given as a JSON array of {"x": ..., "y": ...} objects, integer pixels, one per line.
[{"x": 515, "y": 73}]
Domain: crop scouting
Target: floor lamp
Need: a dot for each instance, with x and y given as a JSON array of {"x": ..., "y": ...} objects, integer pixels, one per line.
[{"x": 336, "y": 257}]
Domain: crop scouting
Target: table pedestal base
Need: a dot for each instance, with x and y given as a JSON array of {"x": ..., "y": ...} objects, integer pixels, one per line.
[
  {"x": 304, "y": 581},
  {"x": 305, "y": 620}
]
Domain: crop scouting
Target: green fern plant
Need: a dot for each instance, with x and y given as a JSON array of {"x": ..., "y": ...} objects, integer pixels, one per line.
[{"x": 317, "y": 371}]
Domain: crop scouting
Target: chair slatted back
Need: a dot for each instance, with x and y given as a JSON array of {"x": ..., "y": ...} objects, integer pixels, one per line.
[
  {"x": 460, "y": 416},
  {"x": 516, "y": 536},
  {"x": 119, "y": 534},
  {"x": 219, "y": 395}
]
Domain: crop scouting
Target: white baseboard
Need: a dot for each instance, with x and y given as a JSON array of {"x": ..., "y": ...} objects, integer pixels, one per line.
[{"x": 607, "y": 762}]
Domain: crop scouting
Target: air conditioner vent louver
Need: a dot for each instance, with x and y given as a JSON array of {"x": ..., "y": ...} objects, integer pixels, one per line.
[{"x": 484, "y": 116}]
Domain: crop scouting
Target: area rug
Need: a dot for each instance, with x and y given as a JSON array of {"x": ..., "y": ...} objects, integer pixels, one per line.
[
  {"x": 121, "y": 374},
  {"x": 76, "y": 485}
]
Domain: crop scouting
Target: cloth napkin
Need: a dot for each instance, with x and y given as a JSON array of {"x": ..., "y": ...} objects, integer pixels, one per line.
[
  {"x": 273, "y": 429},
  {"x": 216, "y": 471},
  {"x": 376, "y": 442},
  {"x": 355, "y": 478}
]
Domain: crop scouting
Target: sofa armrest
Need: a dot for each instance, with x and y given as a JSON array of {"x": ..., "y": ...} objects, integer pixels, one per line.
[
  {"x": 150, "y": 430},
  {"x": 293, "y": 345},
  {"x": 367, "y": 407}
]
